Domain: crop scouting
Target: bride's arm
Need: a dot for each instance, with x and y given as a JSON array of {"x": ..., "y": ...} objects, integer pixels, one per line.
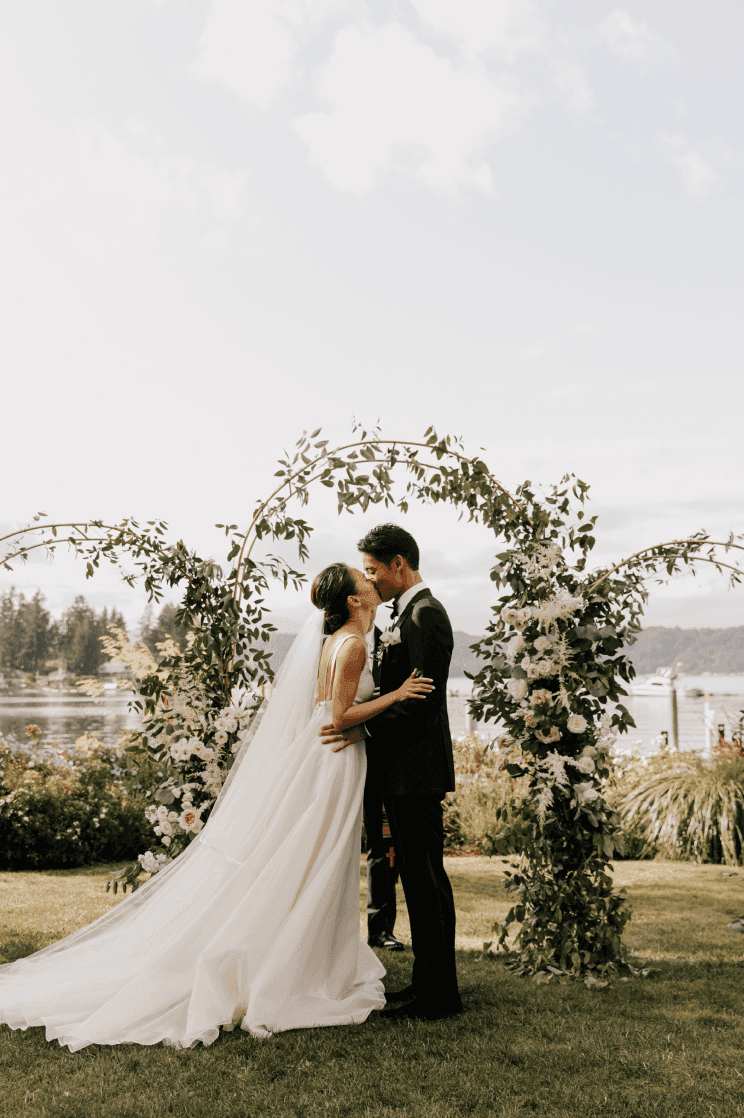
[{"x": 346, "y": 713}]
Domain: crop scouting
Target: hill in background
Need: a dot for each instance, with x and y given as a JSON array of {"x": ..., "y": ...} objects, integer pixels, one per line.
[
  {"x": 720, "y": 651},
  {"x": 701, "y": 650}
]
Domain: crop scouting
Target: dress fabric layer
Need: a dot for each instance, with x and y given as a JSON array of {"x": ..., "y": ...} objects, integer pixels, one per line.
[{"x": 256, "y": 924}]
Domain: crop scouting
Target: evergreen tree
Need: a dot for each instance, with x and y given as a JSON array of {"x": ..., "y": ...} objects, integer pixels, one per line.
[
  {"x": 165, "y": 628},
  {"x": 79, "y": 641},
  {"x": 10, "y": 633},
  {"x": 36, "y": 633}
]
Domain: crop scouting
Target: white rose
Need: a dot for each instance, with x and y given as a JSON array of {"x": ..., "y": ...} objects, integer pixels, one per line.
[
  {"x": 541, "y": 695},
  {"x": 514, "y": 647},
  {"x": 189, "y": 818},
  {"x": 231, "y": 725},
  {"x": 585, "y": 765},
  {"x": 220, "y": 737},
  {"x": 166, "y": 827},
  {"x": 533, "y": 670},
  {"x": 550, "y": 735},
  {"x": 585, "y": 793},
  {"x": 545, "y": 667},
  {"x": 517, "y": 688},
  {"x": 542, "y": 644},
  {"x": 576, "y": 724},
  {"x": 166, "y": 840},
  {"x": 181, "y": 750}
]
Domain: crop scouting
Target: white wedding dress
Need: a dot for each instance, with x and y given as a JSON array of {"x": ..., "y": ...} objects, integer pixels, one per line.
[{"x": 256, "y": 924}]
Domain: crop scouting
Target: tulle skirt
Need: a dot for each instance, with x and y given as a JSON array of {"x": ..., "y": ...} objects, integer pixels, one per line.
[{"x": 255, "y": 925}]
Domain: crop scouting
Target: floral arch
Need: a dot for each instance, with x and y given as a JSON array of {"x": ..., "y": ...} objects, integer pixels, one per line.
[{"x": 552, "y": 674}]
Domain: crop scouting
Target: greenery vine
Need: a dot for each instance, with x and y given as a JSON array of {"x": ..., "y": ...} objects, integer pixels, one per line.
[{"x": 552, "y": 676}]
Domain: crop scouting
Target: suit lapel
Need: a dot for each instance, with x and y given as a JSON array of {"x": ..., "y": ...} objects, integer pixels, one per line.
[
  {"x": 401, "y": 622},
  {"x": 405, "y": 616},
  {"x": 376, "y": 658}
]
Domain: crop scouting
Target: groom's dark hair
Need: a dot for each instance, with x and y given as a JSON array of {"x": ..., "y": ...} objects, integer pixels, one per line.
[{"x": 386, "y": 541}]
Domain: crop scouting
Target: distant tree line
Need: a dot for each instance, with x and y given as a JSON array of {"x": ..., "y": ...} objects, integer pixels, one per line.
[
  {"x": 700, "y": 650},
  {"x": 31, "y": 639}
]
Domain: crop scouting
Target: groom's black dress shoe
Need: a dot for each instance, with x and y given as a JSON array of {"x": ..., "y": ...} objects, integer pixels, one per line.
[
  {"x": 387, "y": 941},
  {"x": 407, "y": 994},
  {"x": 422, "y": 1009}
]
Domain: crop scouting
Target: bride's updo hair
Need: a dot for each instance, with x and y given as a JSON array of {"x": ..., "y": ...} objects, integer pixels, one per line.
[{"x": 330, "y": 590}]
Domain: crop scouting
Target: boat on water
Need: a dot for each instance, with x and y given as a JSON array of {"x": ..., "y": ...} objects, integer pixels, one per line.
[{"x": 659, "y": 684}]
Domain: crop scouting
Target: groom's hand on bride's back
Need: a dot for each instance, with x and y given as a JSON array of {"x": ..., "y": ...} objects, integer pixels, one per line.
[{"x": 339, "y": 739}]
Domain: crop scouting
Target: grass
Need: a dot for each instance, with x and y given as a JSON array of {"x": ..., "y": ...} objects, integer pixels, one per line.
[{"x": 671, "y": 1045}]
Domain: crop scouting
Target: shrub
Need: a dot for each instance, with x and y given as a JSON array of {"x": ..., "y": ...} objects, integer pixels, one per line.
[
  {"x": 63, "y": 808},
  {"x": 681, "y": 806},
  {"x": 482, "y": 813}
]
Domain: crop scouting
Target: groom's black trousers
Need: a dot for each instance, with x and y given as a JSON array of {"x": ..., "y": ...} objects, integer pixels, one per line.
[{"x": 418, "y": 837}]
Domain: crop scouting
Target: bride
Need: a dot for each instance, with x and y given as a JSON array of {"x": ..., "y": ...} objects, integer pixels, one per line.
[{"x": 256, "y": 924}]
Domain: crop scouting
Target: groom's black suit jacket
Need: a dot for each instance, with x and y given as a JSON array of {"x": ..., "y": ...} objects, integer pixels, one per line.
[{"x": 409, "y": 751}]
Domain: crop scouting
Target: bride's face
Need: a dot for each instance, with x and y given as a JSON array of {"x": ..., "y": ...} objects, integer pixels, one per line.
[{"x": 366, "y": 591}]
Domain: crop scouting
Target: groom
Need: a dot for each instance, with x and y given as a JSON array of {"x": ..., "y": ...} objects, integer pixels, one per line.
[{"x": 409, "y": 761}]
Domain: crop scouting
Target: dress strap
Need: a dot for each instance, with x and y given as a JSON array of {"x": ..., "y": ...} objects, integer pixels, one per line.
[{"x": 331, "y": 665}]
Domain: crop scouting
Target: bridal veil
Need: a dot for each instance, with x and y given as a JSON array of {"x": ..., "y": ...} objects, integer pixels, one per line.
[{"x": 255, "y": 925}]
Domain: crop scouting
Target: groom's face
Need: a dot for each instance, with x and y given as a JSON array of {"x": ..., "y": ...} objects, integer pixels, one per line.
[{"x": 388, "y": 580}]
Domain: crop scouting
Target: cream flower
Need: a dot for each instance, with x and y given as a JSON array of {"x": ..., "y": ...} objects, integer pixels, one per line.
[
  {"x": 585, "y": 793},
  {"x": 517, "y": 618},
  {"x": 550, "y": 735},
  {"x": 542, "y": 644},
  {"x": 544, "y": 801},
  {"x": 181, "y": 750},
  {"x": 576, "y": 723},
  {"x": 514, "y": 647},
  {"x": 585, "y": 765},
  {"x": 390, "y": 636},
  {"x": 541, "y": 695},
  {"x": 189, "y": 818},
  {"x": 220, "y": 737},
  {"x": 517, "y": 688}
]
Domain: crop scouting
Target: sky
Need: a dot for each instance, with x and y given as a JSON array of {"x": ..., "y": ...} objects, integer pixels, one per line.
[{"x": 225, "y": 222}]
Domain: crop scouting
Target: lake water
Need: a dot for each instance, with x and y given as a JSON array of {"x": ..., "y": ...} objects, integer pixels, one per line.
[
  {"x": 62, "y": 718},
  {"x": 652, "y": 714}
]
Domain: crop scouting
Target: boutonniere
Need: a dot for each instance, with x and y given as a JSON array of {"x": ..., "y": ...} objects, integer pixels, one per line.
[{"x": 387, "y": 638}]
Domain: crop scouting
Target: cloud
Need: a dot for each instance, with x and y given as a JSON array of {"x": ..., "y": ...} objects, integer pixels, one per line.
[
  {"x": 125, "y": 183},
  {"x": 633, "y": 41},
  {"x": 394, "y": 102},
  {"x": 572, "y": 85},
  {"x": 250, "y": 46},
  {"x": 505, "y": 29},
  {"x": 697, "y": 175}
]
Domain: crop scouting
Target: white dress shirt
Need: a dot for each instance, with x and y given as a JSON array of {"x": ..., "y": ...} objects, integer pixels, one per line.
[{"x": 411, "y": 592}]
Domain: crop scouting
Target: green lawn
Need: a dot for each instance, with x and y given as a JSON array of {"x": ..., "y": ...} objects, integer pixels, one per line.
[{"x": 670, "y": 1045}]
